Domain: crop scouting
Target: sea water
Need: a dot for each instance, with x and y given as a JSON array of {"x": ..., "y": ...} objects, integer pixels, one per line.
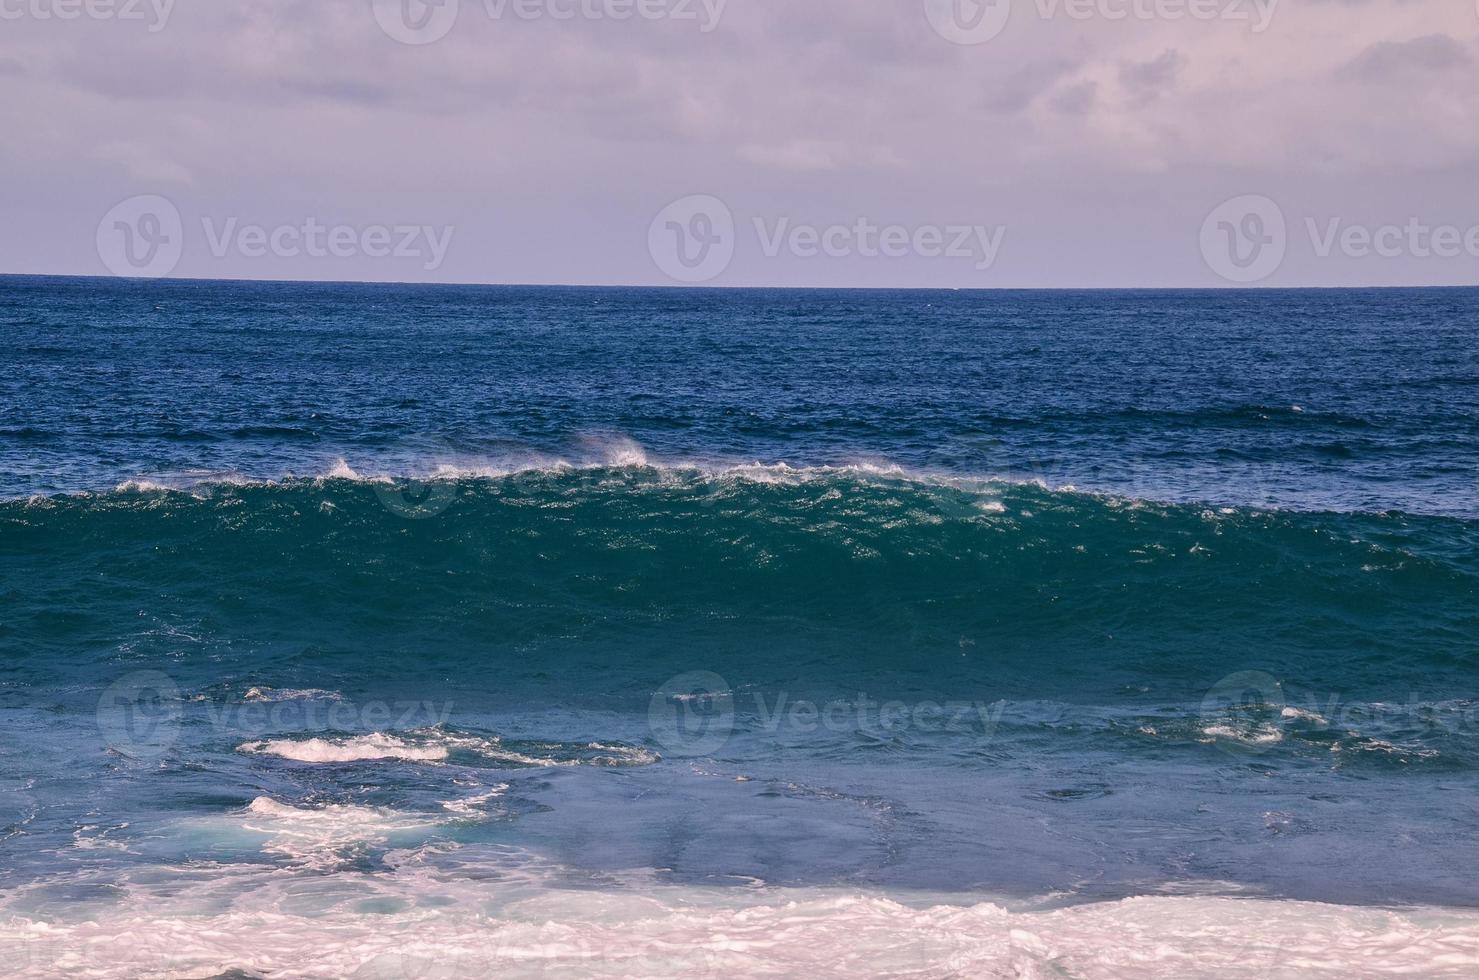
[{"x": 353, "y": 630}]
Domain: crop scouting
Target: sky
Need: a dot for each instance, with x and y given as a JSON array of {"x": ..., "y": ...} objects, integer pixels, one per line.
[{"x": 901, "y": 143}]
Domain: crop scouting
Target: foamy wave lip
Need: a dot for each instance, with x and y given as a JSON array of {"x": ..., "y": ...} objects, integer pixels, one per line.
[
  {"x": 436, "y": 746},
  {"x": 272, "y": 695},
  {"x": 553, "y": 754},
  {"x": 598, "y": 452},
  {"x": 185, "y": 482},
  {"x": 621, "y": 452},
  {"x": 362, "y": 748},
  {"x": 613, "y": 452}
]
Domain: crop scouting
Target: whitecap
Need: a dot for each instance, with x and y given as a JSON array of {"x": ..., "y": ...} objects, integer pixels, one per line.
[
  {"x": 1251, "y": 736},
  {"x": 361, "y": 748}
]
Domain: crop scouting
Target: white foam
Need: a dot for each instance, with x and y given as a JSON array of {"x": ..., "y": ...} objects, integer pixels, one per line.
[
  {"x": 1303, "y": 714},
  {"x": 613, "y": 452},
  {"x": 435, "y": 746},
  {"x": 341, "y": 470},
  {"x": 1250, "y": 736},
  {"x": 742, "y": 932},
  {"x": 325, "y": 837},
  {"x": 361, "y": 748},
  {"x": 621, "y": 755},
  {"x": 273, "y": 694},
  {"x": 473, "y": 805}
]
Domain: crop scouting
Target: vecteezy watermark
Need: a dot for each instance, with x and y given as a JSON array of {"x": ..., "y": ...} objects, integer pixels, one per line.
[
  {"x": 1412, "y": 238},
  {"x": 1242, "y": 711},
  {"x": 976, "y": 473},
  {"x": 415, "y": 21},
  {"x": 694, "y": 714},
  {"x": 863, "y": 237},
  {"x": 320, "y": 714},
  {"x": 1251, "y": 712},
  {"x": 1246, "y": 239},
  {"x": 418, "y": 498},
  {"x": 312, "y": 239},
  {"x": 428, "y": 485},
  {"x": 145, "y": 237},
  {"x": 139, "y": 715},
  {"x": 416, "y": 479},
  {"x": 142, "y": 237},
  {"x": 152, "y": 13},
  {"x": 695, "y": 238},
  {"x": 968, "y": 22},
  {"x": 426, "y": 21}
]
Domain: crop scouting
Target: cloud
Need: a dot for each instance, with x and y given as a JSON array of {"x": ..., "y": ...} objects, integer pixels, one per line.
[
  {"x": 1147, "y": 79},
  {"x": 795, "y": 155},
  {"x": 1018, "y": 90},
  {"x": 1433, "y": 55},
  {"x": 573, "y": 133},
  {"x": 1076, "y": 99},
  {"x": 144, "y": 163}
]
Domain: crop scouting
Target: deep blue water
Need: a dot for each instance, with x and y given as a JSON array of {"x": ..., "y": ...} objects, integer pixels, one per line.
[{"x": 1047, "y": 596}]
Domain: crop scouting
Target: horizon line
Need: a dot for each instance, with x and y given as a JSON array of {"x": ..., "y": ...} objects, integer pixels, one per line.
[{"x": 701, "y": 287}]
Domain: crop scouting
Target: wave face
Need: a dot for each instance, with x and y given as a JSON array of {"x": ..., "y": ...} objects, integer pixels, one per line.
[
  {"x": 287, "y": 689},
  {"x": 823, "y": 581}
]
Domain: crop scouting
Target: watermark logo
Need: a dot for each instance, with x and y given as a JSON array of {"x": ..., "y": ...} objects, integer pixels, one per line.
[
  {"x": 423, "y": 480},
  {"x": 869, "y": 239},
  {"x": 1243, "y": 712},
  {"x": 154, "y": 13},
  {"x": 426, "y": 21},
  {"x": 417, "y": 498},
  {"x": 692, "y": 240},
  {"x": 1257, "y": 14},
  {"x": 313, "y": 239},
  {"x": 416, "y": 21},
  {"x": 143, "y": 237},
  {"x": 1414, "y": 239},
  {"x": 139, "y": 715},
  {"x": 1245, "y": 239},
  {"x": 142, "y": 715},
  {"x": 968, "y": 22},
  {"x": 987, "y": 471},
  {"x": 692, "y": 714}
]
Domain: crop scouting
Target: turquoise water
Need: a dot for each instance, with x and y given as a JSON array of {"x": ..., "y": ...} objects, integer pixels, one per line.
[{"x": 356, "y": 604}]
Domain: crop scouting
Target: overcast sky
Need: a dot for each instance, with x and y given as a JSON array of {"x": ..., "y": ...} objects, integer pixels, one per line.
[{"x": 770, "y": 142}]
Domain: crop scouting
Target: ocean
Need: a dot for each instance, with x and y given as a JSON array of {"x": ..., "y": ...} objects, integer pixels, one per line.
[{"x": 384, "y": 631}]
